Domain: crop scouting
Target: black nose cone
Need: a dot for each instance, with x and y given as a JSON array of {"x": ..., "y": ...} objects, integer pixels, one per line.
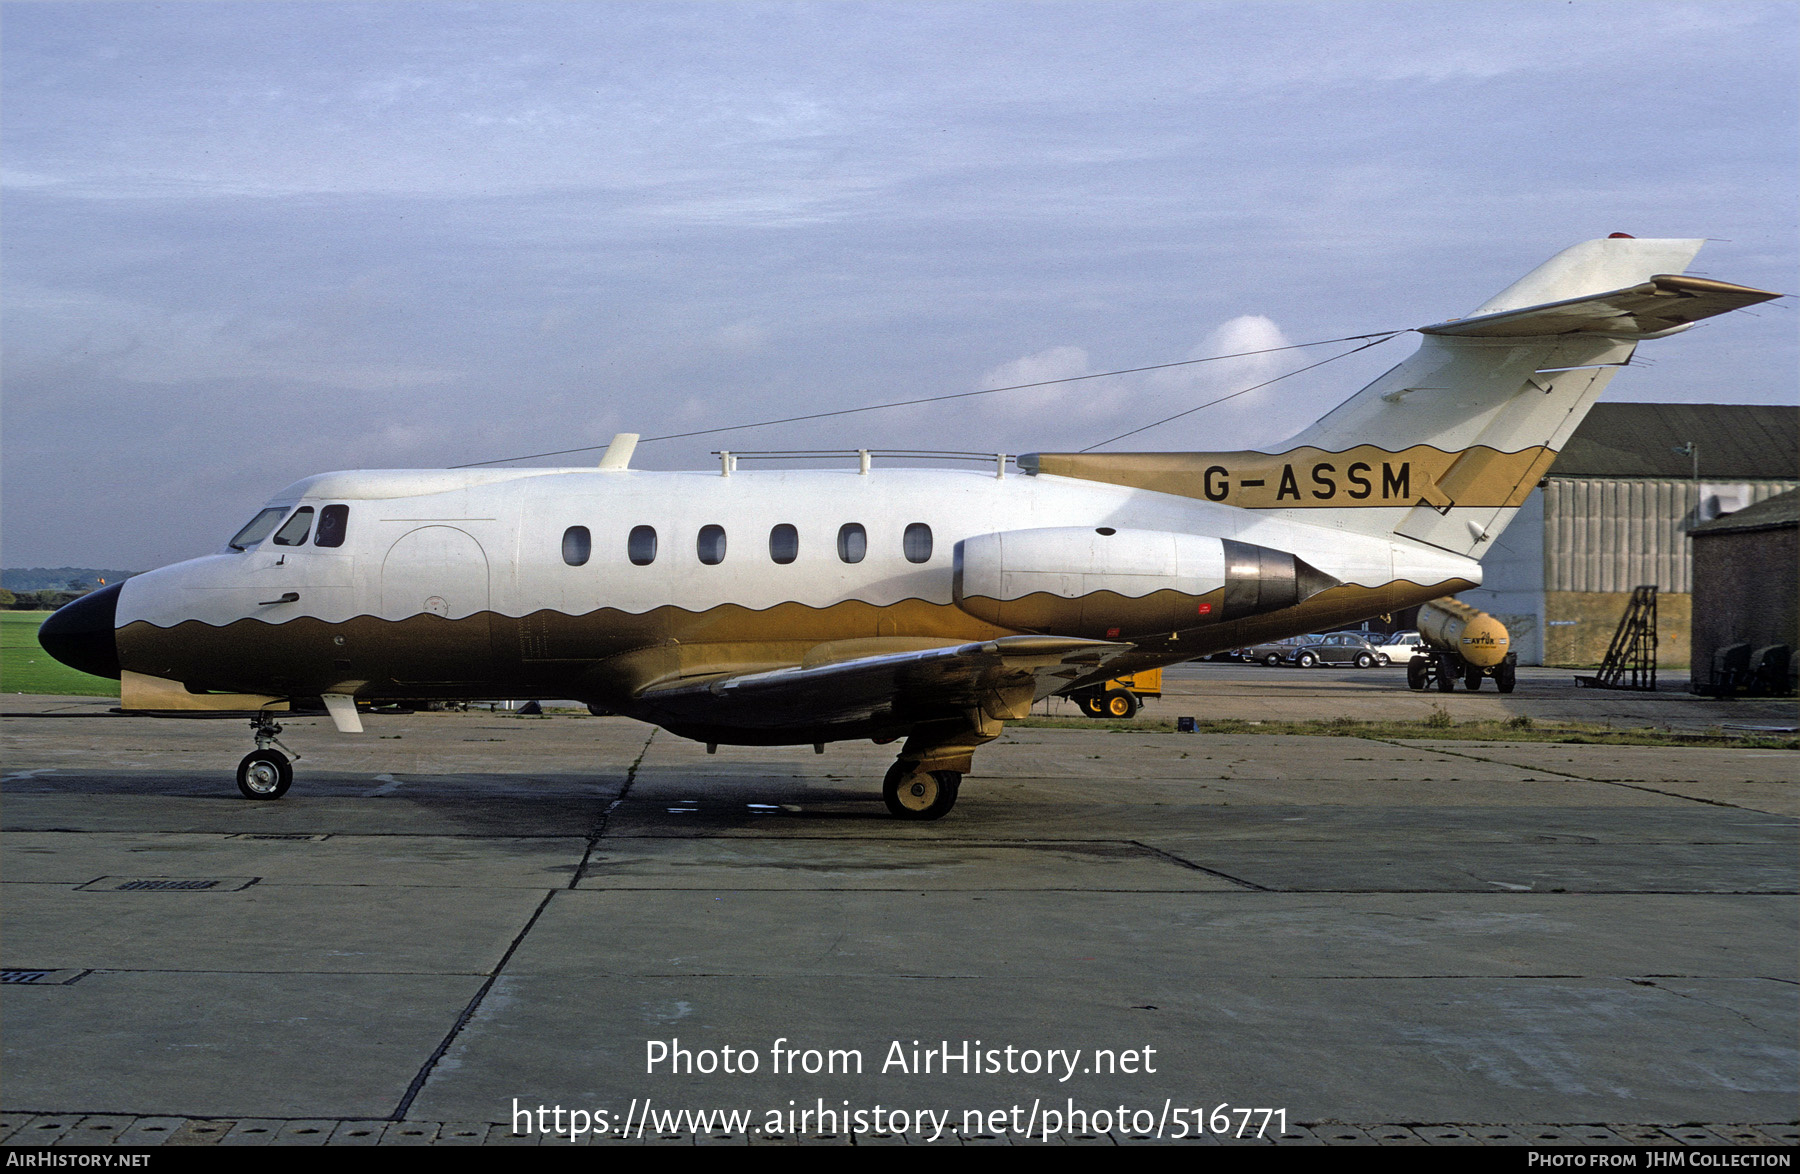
[{"x": 80, "y": 633}]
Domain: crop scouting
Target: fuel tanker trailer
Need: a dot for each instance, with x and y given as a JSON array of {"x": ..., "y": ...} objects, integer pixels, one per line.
[{"x": 1461, "y": 642}]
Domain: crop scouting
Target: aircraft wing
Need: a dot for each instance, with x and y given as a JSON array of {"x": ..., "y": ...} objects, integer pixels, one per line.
[
  {"x": 1665, "y": 302},
  {"x": 986, "y": 674}
]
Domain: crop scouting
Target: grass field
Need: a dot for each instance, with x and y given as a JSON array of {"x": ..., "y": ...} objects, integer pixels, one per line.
[{"x": 26, "y": 668}]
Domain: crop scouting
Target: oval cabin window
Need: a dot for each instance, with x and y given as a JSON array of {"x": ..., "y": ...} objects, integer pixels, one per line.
[
  {"x": 784, "y": 544},
  {"x": 640, "y": 547},
  {"x": 853, "y": 542},
  {"x": 577, "y": 545},
  {"x": 711, "y": 545},
  {"x": 917, "y": 543}
]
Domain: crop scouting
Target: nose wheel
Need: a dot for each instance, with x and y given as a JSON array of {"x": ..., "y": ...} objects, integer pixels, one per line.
[
  {"x": 265, "y": 773},
  {"x": 914, "y": 794}
]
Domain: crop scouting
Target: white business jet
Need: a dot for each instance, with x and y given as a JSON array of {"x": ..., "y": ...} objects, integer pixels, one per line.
[{"x": 932, "y": 605}]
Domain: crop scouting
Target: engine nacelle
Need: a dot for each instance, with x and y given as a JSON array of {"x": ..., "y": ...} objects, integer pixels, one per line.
[{"x": 1109, "y": 583}]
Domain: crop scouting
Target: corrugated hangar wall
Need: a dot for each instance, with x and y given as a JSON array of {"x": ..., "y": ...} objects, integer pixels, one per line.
[
  {"x": 1614, "y": 514},
  {"x": 1602, "y": 538},
  {"x": 1608, "y": 535}
]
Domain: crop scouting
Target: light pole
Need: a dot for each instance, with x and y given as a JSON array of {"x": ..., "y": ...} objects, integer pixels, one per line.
[{"x": 1692, "y": 449}]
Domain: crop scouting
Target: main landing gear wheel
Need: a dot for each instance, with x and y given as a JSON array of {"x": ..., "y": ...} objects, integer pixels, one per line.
[
  {"x": 916, "y": 794},
  {"x": 1121, "y": 704},
  {"x": 264, "y": 774}
]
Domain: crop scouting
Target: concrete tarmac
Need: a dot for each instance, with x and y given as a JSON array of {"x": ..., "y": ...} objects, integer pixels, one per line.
[{"x": 458, "y": 918}]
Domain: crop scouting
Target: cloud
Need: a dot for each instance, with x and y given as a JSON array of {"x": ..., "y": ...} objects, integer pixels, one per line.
[
  {"x": 1091, "y": 399},
  {"x": 1093, "y": 408}
]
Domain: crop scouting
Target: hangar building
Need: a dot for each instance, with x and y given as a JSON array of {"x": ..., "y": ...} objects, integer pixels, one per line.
[
  {"x": 1747, "y": 591},
  {"x": 1614, "y": 514}
]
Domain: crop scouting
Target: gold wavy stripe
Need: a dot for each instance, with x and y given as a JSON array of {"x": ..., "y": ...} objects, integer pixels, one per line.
[
  {"x": 608, "y": 654},
  {"x": 1316, "y": 478}
]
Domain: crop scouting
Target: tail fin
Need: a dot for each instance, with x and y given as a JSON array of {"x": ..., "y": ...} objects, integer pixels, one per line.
[{"x": 1445, "y": 447}]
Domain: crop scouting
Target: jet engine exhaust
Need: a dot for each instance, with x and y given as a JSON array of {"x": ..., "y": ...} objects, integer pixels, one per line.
[{"x": 1258, "y": 580}]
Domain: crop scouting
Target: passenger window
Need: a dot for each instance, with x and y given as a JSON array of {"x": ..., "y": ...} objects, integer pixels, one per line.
[
  {"x": 577, "y": 544},
  {"x": 853, "y": 542},
  {"x": 257, "y": 528},
  {"x": 334, "y": 521},
  {"x": 293, "y": 532},
  {"x": 784, "y": 544},
  {"x": 641, "y": 546},
  {"x": 711, "y": 545},
  {"x": 917, "y": 543}
]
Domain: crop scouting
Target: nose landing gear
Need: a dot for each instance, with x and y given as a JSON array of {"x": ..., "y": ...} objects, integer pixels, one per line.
[{"x": 265, "y": 773}]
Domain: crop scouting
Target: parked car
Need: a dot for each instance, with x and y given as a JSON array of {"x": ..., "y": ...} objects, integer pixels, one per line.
[
  {"x": 1341, "y": 648},
  {"x": 1401, "y": 647},
  {"x": 1277, "y": 652}
]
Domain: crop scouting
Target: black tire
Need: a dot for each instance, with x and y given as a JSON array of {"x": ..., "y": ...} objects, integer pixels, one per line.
[
  {"x": 1418, "y": 675},
  {"x": 264, "y": 774},
  {"x": 1121, "y": 704},
  {"x": 1365, "y": 660},
  {"x": 1305, "y": 660},
  {"x": 916, "y": 795},
  {"x": 1093, "y": 705},
  {"x": 1273, "y": 659},
  {"x": 1472, "y": 678},
  {"x": 1505, "y": 677},
  {"x": 1446, "y": 674}
]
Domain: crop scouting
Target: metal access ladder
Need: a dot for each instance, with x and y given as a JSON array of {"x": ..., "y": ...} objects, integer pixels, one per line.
[{"x": 1631, "y": 659}]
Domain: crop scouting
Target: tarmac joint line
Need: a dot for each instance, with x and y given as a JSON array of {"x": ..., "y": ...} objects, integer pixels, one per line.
[
  {"x": 606, "y": 816},
  {"x": 1189, "y": 864},
  {"x": 424, "y": 1074},
  {"x": 1571, "y": 775}
]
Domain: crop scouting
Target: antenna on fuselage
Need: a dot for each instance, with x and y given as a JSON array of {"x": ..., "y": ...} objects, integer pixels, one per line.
[{"x": 618, "y": 453}]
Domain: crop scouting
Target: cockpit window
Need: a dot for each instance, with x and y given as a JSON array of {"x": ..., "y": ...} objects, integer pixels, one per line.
[
  {"x": 333, "y": 522},
  {"x": 258, "y": 528},
  {"x": 293, "y": 532}
]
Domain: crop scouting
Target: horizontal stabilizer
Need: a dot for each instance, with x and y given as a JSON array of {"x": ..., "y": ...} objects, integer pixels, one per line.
[{"x": 1665, "y": 303}]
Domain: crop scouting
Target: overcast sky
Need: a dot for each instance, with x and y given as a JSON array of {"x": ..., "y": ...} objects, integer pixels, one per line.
[{"x": 248, "y": 242}]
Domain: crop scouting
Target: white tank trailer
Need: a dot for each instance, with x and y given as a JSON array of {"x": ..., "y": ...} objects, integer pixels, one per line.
[{"x": 1462, "y": 643}]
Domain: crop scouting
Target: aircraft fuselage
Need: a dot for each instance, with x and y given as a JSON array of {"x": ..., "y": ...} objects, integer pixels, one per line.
[{"x": 529, "y": 583}]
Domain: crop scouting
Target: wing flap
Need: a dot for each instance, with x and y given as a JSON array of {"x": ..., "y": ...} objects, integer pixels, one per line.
[
  {"x": 911, "y": 682},
  {"x": 1666, "y": 302}
]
